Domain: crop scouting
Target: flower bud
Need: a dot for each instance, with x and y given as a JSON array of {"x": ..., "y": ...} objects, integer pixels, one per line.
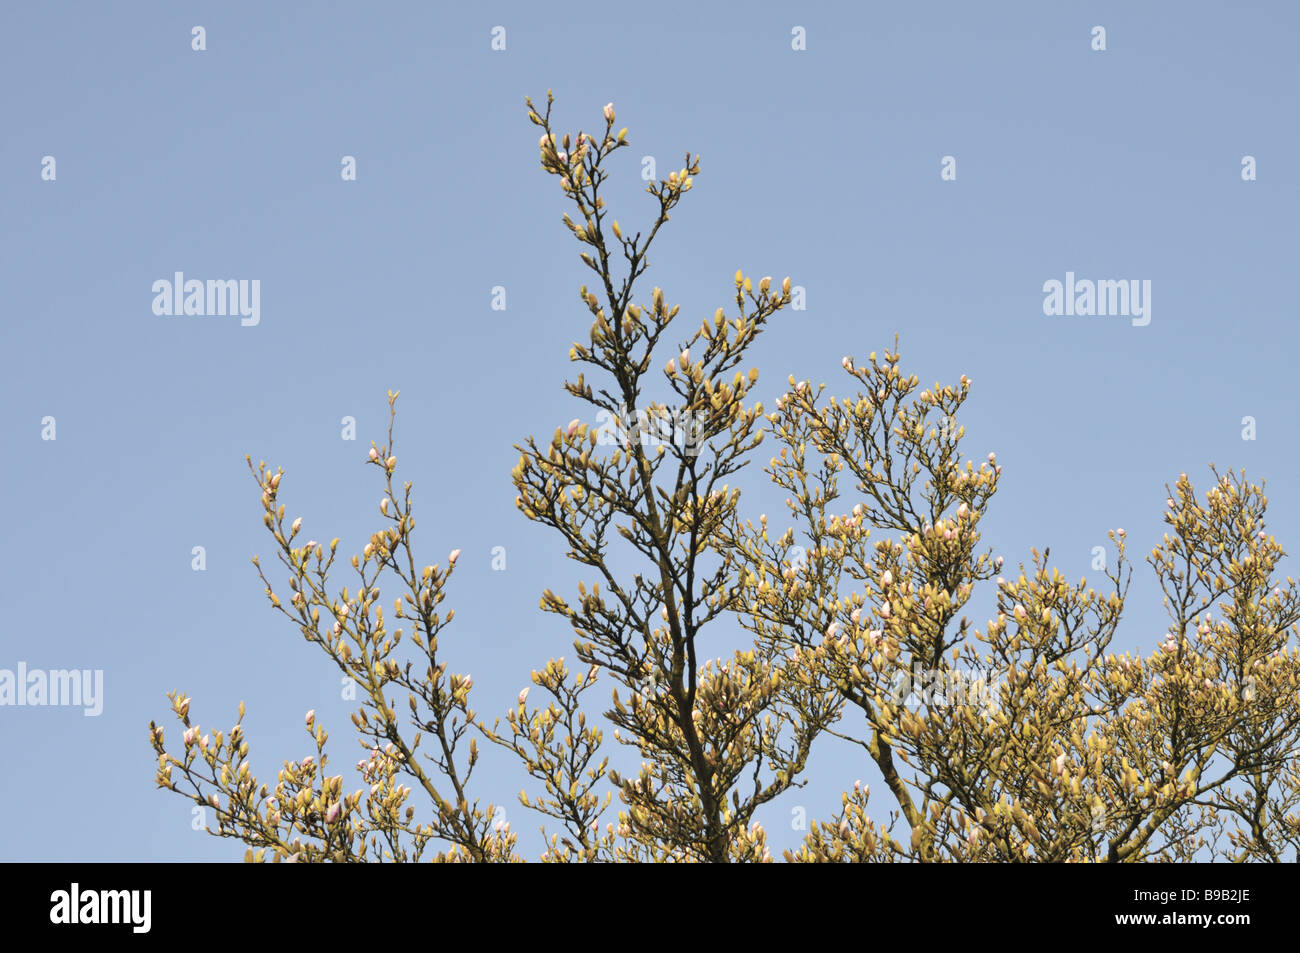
[
  {"x": 609, "y": 112},
  {"x": 523, "y": 696},
  {"x": 686, "y": 358},
  {"x": 383, "y": 506},
  {"x": 297, "y": 525},
  {"x": 311, "y": 716},
  {"x": 390, "y": 462},
  {"x": 886, "y": 579},
  {"x": 333, "y": 812},
  {"x": 453, "y": 556},
  {"x": 374, "y": 454},
  {"x": 275, "y": 481},
  {"x": 572, "y": 428}
]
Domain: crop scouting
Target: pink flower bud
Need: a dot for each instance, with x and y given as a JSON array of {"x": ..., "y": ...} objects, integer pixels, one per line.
[
  {"x": 880, "y": 394},
  {"x": 297, "y": 525},
  {"x": 374, "y": 454},
  {"x": 212, "y": 799},
  {"x": 847, "y": 363},
  {"x": 1119, "y": 532},
  {"x": 308, "y": 761},
  {"x": 671, "y": 367},
  {"x": 390, "y": 462},
  {"x": 855, "y": 615},
  {"x": 609, "y": 112},
  {"x": 832, "y": 630},
  {"x": 570, "y": 430},
  {"x": 383, "y": 506},
  {"x": 686, "y": 357},
  {"x": 885, "y": 611},
  {"x": 332, "y": 813},
  {"x": 311, "y": 716},
  {"x": 523, "y": 696},
  {"x": 993, "y": 457},
  {"x": 275, "y": 481},
  {"x": 453, "y": 556},
  {"x": 1019, "y": 611},
  {"x": 998, "y": 562},
  {"x": 886, "y": 580},
  {"x": 189, "y": 737},
  {"x": 1169, "y": 502},
  {"x": 963, "y": 511}
]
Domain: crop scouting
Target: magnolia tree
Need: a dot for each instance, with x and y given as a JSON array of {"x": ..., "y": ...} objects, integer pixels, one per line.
[{"x": 1023, "y": 738}]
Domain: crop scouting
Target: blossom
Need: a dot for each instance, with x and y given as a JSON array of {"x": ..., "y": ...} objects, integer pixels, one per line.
[{"x": 609, "y": 112}]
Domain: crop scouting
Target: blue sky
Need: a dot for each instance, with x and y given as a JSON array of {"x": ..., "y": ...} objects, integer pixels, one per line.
[{"x": 823, "y": 164}]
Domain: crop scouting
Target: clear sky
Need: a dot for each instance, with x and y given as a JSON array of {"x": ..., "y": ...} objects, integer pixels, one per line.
[{"x": 822, "y": 163}]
